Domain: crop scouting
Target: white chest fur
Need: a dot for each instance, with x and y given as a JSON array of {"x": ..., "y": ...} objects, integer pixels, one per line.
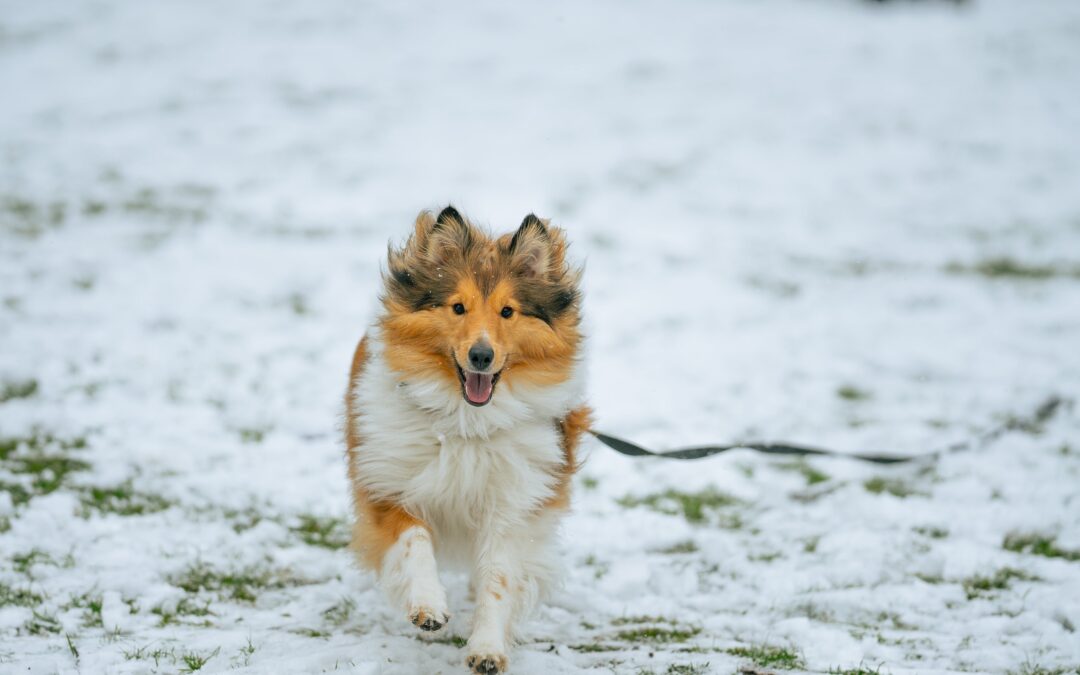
[{"x": 465, "y": 471}]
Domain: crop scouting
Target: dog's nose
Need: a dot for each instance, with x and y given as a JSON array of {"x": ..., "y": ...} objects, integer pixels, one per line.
[{"x": 481, "y": 355}]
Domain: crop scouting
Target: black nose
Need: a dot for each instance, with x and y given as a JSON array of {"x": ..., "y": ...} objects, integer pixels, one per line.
[{"x": 481, "y": 355}]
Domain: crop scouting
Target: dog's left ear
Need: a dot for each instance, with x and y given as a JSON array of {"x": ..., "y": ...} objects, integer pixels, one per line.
[{"x": 535, "y": 249}]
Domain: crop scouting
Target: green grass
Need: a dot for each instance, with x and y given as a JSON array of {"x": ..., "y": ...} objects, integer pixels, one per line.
[
  {"x": 241, "y": 584},
  {"x": 979, "y": 585},
  {"x": 932, "y": 531},
  {"x": 338, "y": 614},
  {"x": 24, "y": 563},
  {"x": 892, "y": 486},
  {"x": 1028, "y": 667},
  {"x": 1036, "y": 544},
  {"x": 10, "y": 391},
  {"x": 636, "y": 630},
  {"x": 252, "y": 434},
  {"x": 768, "y": 656},
  {"x": 42, "y": 624},
  {"x": 691, "y": 505},
  {"x": 158, "y": 654},
  {"x": 1009, "y": 268},
  {"x": 596, "y": 648},
  {"x": 813, "y": 476},
  {"x": 38, "y": 464},
  {"x": 687, "y": 669},
  {"x": 453, "y": 641},
  {"x": 640, "y": 618},
  {"x": 18, "y": 597},
  {"x": 195, "y": 661},
  {"x": 186, "y": 607},
  {"x": 857, "y": 670},
  {"x": 122, "y": 500},
  {"x": 322, "y": 531},
  {"x": 687, "y": 546},
  {"x": 850, "y": 392},
  {"x": 91, "y": 603}
]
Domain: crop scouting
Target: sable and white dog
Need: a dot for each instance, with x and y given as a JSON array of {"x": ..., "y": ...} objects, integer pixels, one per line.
[{"x": 463, "y": 413}]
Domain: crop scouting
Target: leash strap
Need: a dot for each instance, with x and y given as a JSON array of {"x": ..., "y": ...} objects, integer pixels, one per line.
[{"x": 1034, "y": 422}]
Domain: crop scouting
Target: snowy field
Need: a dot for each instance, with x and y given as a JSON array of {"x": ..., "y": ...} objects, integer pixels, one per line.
[{"x": 825, "y": 221}]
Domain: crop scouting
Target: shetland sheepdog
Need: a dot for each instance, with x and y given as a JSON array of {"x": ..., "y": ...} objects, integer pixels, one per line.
[{"x": 464, "y": 411}]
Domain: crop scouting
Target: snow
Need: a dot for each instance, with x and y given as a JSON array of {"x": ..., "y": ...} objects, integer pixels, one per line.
[{"x": 195, "y": 199}]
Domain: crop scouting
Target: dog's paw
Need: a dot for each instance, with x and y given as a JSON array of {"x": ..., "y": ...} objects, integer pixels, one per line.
[
  {"x": 487, "y": 663},
  {"x": 427, "y": 619}
]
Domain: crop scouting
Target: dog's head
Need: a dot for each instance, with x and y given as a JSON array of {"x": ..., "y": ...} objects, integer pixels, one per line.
[{"x": 473, "y": 311}]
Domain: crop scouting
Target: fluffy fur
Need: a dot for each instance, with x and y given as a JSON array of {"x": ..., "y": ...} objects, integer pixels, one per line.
[{"x": 439, "y": 476}]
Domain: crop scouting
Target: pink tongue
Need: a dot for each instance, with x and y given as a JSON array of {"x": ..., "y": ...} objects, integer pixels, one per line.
[{"x": 478, "y": 387}]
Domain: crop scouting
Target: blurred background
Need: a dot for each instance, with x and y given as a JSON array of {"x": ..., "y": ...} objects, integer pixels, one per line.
[{"x": 842, "y": 223}]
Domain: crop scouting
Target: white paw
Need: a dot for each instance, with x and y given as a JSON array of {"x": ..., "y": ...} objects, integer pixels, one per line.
[
  {"x": 484, "y": 662},
  {"x": 427, "y": 618}
]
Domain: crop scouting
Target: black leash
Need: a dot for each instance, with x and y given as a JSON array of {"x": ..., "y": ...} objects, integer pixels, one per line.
[{"x": 1031, "y": 424}]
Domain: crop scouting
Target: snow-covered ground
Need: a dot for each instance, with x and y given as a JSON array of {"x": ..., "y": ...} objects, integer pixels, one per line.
[{"x": 826, "y": 221}]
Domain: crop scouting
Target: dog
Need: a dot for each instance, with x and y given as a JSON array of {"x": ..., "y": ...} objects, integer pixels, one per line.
[{"x": 463, "y": 416}]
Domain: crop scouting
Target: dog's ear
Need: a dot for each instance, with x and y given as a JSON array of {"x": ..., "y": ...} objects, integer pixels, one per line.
[
  {"x": 435, "y": 239},
  {"x": 532, "y": 249},
  {"x": 449, "y": 237}
]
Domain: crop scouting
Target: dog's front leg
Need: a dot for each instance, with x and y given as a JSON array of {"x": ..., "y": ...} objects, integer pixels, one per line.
[
  {"x": 410, "y": 576},
  {"x": 500, "y": 590}
]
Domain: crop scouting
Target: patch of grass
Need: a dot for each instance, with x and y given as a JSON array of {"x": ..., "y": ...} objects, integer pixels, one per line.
[
  {"x": 72, "y": 648},
  {"x": 857, "y": 670},
  {"x": 195, "y": 661},
  {"x": 10, "y": 391},
  {"x": 338, "y": 614},
  {"x": 687, "y": 669},
  {"x": 158, "y": 654},
  {"x": 893, "y": 486},
  {"x": 932, "y": 531},
  {"x": 237, "y": 584},
  {"x": 687, "y": 546},
  {"x": 42, "y": 624},
  {"x": 185, "y": 608},
  {"x": 640, "y": 618},
  {"x": 813, "y": 476},
  {"x": 91, "y": 602},
  {"x": 600, "y": 568},
  {"x": 691, "y": 505},
  {"x": 38, "y": 464},
  {"x": 252, "y": 434},
  {"x": 589, "y": 482},
  {"x": 122, "y": 500},
  {"x": 595, "y": 648},
  {"x": 311, "y": 632},
  {"x": 978, "y": 585},
  {"x": 768, "y": 656},
  {"x": 24, "y": 563},
  {"x": 1037, "y": 544},
  {"x": 18, "y": 597},
  {"x": 1009, "y": 268},
  {"x": 1029, "y": 667},
  {"x": 453, "y": 641},
  {"x": 322, "y": 531},
  {"x": 30, "y": 219},
  {"x": 657, "y": 634},
  {"x": 850, "y": 392},
  {"x": 246, "y": 652}
]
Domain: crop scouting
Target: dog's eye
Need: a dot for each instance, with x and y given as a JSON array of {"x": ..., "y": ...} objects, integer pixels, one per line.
[
  {"x": 507, "y": 312},
  {"x": 459, "y": 308}
]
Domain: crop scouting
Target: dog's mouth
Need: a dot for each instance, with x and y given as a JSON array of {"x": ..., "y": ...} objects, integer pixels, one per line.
[{"x": 477, "y": 388}]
